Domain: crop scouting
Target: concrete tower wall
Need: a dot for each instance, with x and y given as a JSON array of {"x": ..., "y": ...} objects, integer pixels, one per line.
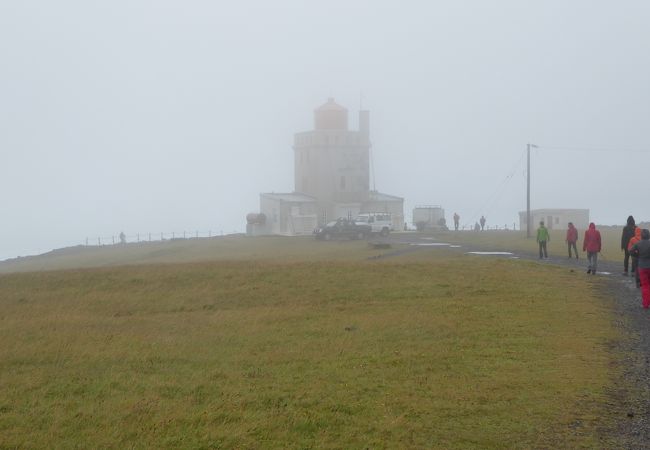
[{"x": 333, "y": 164}]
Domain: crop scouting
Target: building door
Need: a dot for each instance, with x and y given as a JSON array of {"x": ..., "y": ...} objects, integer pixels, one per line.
[{"x": 549, "y": 222}]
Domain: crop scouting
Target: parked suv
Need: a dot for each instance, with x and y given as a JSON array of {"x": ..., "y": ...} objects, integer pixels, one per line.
[
  {"x": 342, "y": 228},
  {"x": 381, "y": 223}
]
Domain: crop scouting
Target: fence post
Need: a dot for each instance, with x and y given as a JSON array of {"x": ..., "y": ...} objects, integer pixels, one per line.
[
  {"x": 86, "y": 242},
  {"x": 138, "y": 237},
  {"x": 210, "y": 233},
  {"x": 149, "y": 237},
  {"x": 173, "y": 235},
  {"x": 99, "y": 241},
  {"x": 183, "y": 234},
  {"x": 113, "y": 238}
]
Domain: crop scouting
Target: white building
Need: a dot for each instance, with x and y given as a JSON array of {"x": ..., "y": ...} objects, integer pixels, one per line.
[
  {"x": 331, "y": 178},
  {"x": 557, "y": 219}
]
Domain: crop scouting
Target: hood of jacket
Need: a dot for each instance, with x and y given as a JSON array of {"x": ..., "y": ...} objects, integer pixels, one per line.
[
  {"x": 630, "y": 221},
  {"x": 592, "y": 226}
]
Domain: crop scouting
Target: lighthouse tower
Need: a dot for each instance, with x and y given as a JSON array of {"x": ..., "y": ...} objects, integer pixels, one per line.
[
  {"x": 331, "y": 179},
  {"x": 332, "y": 162}
]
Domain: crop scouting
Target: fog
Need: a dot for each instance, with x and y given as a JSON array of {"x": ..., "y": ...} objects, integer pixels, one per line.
[{"x": 161, "y": 116}]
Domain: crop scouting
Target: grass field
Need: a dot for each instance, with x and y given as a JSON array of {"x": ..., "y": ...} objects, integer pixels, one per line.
[
  {"x": 460, "y": 352},
  {"x": 242, "y": 248},
  {"x": 517, "y": 241},
  {"x": 227, "y": 248}
]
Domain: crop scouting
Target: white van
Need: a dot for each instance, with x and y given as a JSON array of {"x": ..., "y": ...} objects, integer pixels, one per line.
[{"x": 381, "y": 223}]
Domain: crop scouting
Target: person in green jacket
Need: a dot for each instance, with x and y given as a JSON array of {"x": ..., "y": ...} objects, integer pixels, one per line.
[{"x": 542, "y": 238}]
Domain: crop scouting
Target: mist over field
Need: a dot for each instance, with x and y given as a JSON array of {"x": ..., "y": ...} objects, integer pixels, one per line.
[{"x": 166, "y": 116}]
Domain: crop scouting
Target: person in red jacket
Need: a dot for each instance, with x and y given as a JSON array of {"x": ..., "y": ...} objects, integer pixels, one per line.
[
  {"x": 592, "y": 245},
  {"x": 572, "y": 238}
]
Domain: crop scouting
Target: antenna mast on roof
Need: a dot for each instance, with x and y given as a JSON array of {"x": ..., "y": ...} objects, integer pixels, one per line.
[
  {"x": 372, "y": 168},
  {"x": 372, "y": 162}
]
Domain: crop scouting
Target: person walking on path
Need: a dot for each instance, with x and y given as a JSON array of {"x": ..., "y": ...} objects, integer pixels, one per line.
[
  {"x": 628, "y": 233},
  {"x": 592, "y": 246},
  {"x": 635, "y": 260},
  {"x": 456, "y": 221},
  {"x": 641, "y": 250},
  {"x": 482, "y": 223},
  {"x": 572, "y": 238},
  {"x": 542, "y": 238}
]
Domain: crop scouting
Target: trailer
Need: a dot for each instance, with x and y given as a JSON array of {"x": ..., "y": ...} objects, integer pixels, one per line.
[{"x": 429, "y": 217}]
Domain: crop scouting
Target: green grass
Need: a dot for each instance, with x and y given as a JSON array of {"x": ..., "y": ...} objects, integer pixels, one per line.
[{"x": 464, "y": 353}]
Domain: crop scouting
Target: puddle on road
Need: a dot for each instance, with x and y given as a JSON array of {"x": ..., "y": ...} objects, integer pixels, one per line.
[
  {"x": 490, "y": 253},
  {"x": 432, "y": 244}
]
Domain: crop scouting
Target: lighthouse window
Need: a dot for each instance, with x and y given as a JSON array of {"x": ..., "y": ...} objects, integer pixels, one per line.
[{"x": 343, "y": 182}]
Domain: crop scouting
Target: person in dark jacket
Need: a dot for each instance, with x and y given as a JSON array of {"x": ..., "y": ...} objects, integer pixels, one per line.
[
  {"x": 592, "y": 245},
  {"x": 572, "y": 238},
  {"x": 628, "y": 233},
  {"x": 642, "y": 251}
]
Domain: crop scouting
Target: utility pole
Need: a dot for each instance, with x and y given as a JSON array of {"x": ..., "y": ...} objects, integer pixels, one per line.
[
  {"x": 528, "y": 224},
  {"x": 528, "y": 191}
]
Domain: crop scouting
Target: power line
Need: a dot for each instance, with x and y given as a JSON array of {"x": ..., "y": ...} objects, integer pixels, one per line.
[
  {"x": 594, "y": 149},
  {"x": 496, "y": 195}
]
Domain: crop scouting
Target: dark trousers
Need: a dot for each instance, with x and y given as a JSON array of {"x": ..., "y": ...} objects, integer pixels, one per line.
[
  {"x": 575, "y": 249},
  {"x": 542, "y": 250},
  {"x": 635, "y": 270},
  {"x": 626, "y": 260}
]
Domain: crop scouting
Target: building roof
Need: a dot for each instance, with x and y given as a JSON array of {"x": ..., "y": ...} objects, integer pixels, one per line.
[
  {"x": 379, "y": 197},
  {"x": 331, "y": 105},
  {"x": 296, "y": 197}
]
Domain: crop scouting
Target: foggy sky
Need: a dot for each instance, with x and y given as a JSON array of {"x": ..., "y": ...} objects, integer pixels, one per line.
[{"x": 150, "y": 116}]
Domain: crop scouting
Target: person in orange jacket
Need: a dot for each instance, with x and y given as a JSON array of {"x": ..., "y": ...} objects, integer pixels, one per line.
[
  {"x": 572, "y": 238},
  {"x": 635, "y": 259},
  {"x": 592, "y": 245},
  {"x": 642, "y": 251}
]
